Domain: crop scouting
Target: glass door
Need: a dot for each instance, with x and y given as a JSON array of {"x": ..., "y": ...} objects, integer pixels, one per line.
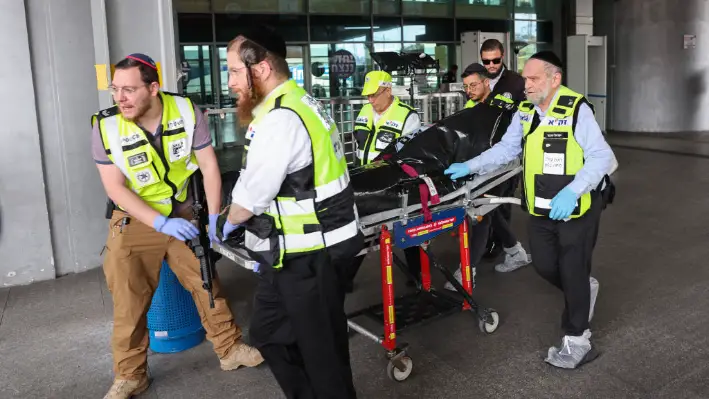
[
  {"x": 199, "y": 80},
  {"x": 295, "y": 57}
]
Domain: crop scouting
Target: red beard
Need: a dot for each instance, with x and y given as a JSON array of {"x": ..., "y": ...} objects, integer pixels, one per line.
[{"x": 248, "y": 101}]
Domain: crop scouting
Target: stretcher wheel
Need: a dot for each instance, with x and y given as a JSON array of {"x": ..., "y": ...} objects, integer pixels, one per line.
[
  {"x": 397, "y": 375},
  {"x": 489, "y": 328}
]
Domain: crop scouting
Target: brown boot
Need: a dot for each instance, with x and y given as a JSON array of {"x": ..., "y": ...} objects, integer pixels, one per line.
[
  {"x": 241, "y": 355},
  {"x": 124, "y": 389}
]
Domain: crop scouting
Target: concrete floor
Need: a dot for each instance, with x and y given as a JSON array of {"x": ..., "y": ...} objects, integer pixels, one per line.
[{"x": 650, "y": 323}]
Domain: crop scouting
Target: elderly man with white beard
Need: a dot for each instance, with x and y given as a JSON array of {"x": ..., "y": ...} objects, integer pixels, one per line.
[{"x": 566, "y": 162}]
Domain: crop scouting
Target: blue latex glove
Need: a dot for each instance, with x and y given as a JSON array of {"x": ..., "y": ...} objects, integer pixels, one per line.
[
  {"x": 176, "y": 227},
  {"x": 563, "y": 204},
  {"x": 228, "y": 229},
  {"x": 213, "y": 228},
  {"x": 457, "y": 170}
]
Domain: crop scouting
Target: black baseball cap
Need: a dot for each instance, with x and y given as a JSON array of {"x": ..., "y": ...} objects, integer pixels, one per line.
[
  {"x": 267, "y": 38},
  {"x": 475, "y": 68},
  {"x": 548, "y": 56}
]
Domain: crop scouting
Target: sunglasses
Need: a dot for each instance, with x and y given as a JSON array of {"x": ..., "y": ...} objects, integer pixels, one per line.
[{"x": 493, "y": 61}]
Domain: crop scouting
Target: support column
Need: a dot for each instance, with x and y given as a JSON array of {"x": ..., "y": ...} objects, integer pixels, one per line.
[
  {"x": 139, "y": 26},
  {"x": 25, "y": 242}
]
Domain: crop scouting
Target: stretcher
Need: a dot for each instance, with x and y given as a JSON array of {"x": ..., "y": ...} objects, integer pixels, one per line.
[{"x": 412, "y": 225}]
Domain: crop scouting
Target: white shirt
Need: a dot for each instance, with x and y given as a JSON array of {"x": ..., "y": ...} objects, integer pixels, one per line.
[
  {"x": 280, "y": 146},
  {"x": 493, "y": 82}
]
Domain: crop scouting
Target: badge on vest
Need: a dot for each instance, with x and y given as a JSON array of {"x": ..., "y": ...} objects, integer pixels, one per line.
[
  {"x": 319, "y": 111},
  {"x": 362, "y": 119},
  {"x": 178, "y": 149},
  {"x": 383, "y": 140},
  {"x": 132, "y": 139},
  {"x": 145, "y": 177},
  {"x": 394, "y": 124},
  {"x": 556, "y": 122},
  {"x": 175, "y": 124},
  {"x": 137, "y": 159}
]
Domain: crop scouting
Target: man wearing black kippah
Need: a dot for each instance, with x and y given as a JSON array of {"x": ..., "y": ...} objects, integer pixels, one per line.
[
  {"x": 565, "y": 181},
  {"x": 296, "y": 204}
]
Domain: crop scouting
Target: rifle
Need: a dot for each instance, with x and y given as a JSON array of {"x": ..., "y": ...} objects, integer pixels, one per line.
[{"x": 201, "y": 245}]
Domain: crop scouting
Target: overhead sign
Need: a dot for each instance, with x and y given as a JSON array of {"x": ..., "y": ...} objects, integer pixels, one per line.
[{"x": 342, "y": 64}]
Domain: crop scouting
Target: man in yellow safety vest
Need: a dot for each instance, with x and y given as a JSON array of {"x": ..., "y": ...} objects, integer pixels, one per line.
[
  {"x": 146, "y": 148},
  {"x": 566, "y": 162}
]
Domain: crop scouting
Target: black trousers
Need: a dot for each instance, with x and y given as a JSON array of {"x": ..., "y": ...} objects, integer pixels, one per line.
[
  {"x": 502, "y": 216},
  {"x": 562, "y": 256},
  {"x": 300, "y": 327},
  {"x": 478, "y": 235}
]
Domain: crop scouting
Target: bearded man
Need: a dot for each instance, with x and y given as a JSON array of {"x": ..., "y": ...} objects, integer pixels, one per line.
[
  {"x": 296, "y": 205},
  {"x": 566, "y": 164}
]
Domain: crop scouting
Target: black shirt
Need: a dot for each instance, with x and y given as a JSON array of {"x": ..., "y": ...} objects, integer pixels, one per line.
[{"x": 510, "y": 85}]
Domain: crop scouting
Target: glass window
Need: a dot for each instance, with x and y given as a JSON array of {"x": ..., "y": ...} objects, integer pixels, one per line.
[
  {"x": 385, "y": 7},
  {"x": 534, "y": 31},
  {"x": 338, "y": 28},
  {"x": 194, "y": 28},
  {"x": 326, "y": 84},
  {"x": 429, "y": 8},
  {"x": 494, "y": 9},
  {"x": 199, "y": 83},
  {"x": 191, "y": 6},
  {"x": 484, "y": 25},
  {"x": 387, "y": 29},
  {"x": 428, "y": 30},
  {"x": 430, "y": 79},
  {"x": 292, "y": 27},
  {"x": 294, "y": 58},
  {"x": 528, "y": 51},
  {"x": 275, "y": 6},
  {"x": 339, "y": 6}
]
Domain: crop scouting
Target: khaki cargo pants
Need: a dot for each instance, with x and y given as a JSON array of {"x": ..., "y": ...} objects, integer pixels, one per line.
[{"x": 132, "y": 262}]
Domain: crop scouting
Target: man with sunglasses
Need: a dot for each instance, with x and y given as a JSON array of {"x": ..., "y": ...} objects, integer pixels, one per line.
[
  {"x": 147, "y": 147},
  {"x": 502, "y": 80},
  {"x": 380, "y": 122},
  {"x": 508, "y": 84}
]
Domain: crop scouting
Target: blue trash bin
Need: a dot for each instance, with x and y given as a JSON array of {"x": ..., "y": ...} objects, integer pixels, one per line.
[{"x": 173, "y": 320}]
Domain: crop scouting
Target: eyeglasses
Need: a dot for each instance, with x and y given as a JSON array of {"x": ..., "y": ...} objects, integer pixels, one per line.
[
  {"x": 126, "y": 90},
  {"x": 493, "y": 61},
  {"x": 471, "y": 86}
]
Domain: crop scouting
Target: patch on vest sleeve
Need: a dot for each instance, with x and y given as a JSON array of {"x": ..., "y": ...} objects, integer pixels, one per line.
[
  {"x": 137, "y": 159},
  {"x": 178, "y": 149},
  {"x": 362, "y": 119},
  {"x": 145, "y": 177}
]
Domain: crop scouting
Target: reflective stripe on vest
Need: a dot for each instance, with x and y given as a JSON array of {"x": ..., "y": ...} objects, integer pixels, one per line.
[
  {"x": 552, "y": 156},
  {"x": 156, "y": 177},
  {"x": 389, "y": 127},
  {"x": 315, "y": 206}
]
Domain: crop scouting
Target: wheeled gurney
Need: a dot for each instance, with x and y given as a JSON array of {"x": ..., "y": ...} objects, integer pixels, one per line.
[
  {"x": 406, "y": 227},
  {"x": 393, "y": 213}
]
